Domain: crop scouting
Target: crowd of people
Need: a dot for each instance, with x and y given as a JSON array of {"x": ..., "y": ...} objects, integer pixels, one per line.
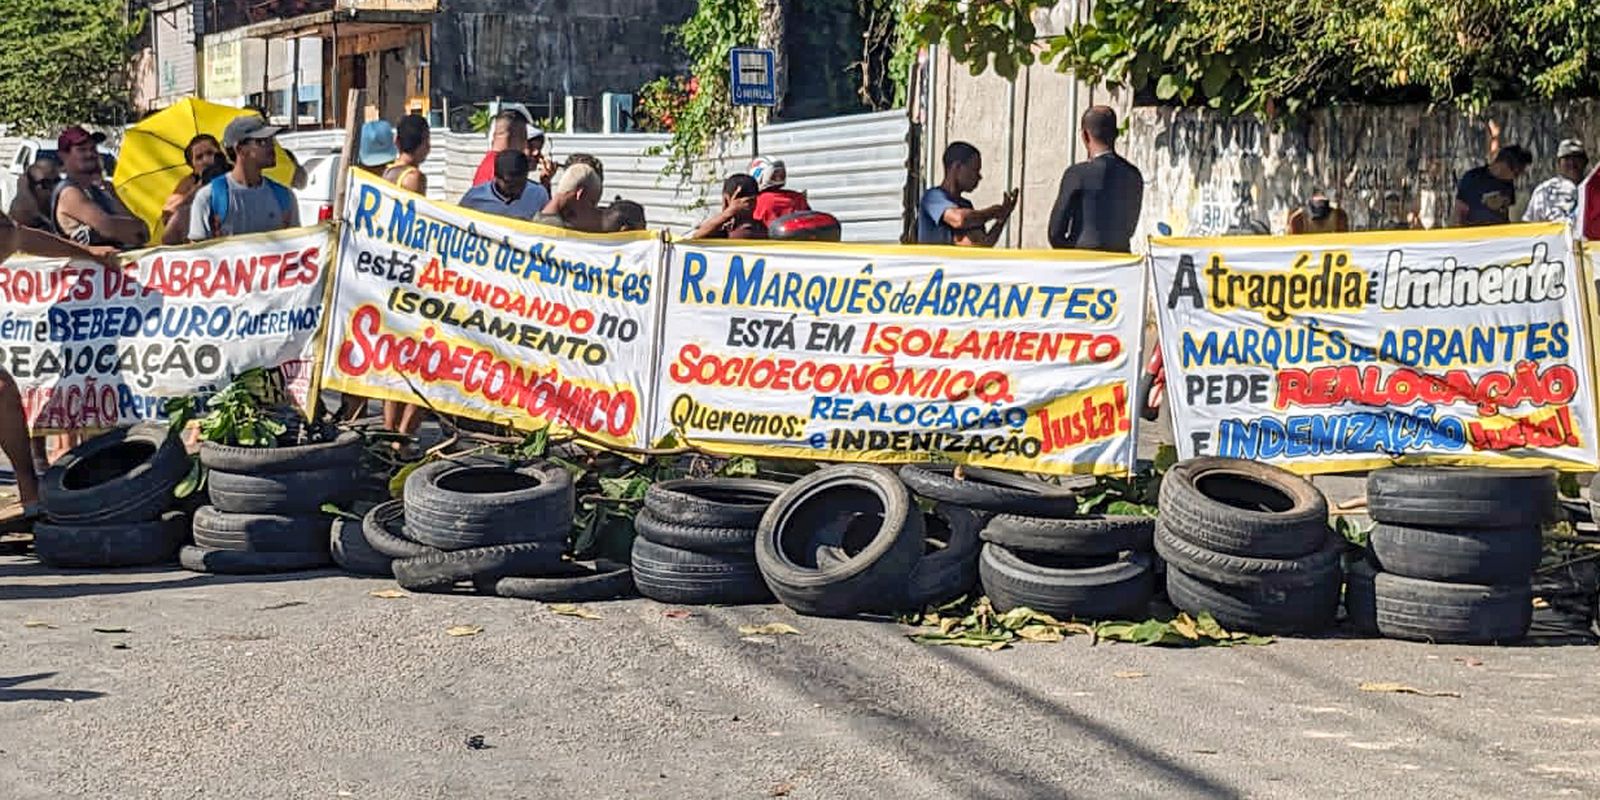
[
  {"x": 1098, "y": 204},
  {"x": 69, "y": 208}
]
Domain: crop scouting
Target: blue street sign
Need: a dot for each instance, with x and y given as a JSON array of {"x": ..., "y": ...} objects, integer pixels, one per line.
[{"x": 755, "y": 79}]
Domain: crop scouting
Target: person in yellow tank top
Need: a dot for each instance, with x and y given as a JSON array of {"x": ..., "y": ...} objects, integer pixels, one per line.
[{"x": 412, "y": 139}]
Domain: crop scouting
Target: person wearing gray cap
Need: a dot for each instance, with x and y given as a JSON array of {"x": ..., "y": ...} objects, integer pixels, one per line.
[
  {"x": 1556, "y": 200},
  {"x": 244, "y": 200}
]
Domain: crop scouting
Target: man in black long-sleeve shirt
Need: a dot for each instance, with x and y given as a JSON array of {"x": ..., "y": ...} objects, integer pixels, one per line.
[{"x": 1098, "y": 205}]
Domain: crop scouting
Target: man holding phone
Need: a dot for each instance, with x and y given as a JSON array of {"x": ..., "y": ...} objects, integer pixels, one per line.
[{"x": 737, "y": 219}]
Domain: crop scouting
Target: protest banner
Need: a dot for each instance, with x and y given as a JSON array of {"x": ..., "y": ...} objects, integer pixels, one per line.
[
  {"x": 491, "y": 318},
  {"x": 1354, "y": 351},
  {"x": 94, "y": 347},
  {"x": 1020, "y": 360}
]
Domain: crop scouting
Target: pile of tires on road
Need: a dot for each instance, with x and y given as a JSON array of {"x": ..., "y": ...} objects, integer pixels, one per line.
[
  {"x": 107, "y": 502},
  {"x": 486, "y": 526},
  {"x": 266, "y": 506},
  {"x": 1249, "y": 544},
  {"x": 696, "y": 541},
  {"x": 1039, "y": 552},
  {"x": 1452, "y": 557}
]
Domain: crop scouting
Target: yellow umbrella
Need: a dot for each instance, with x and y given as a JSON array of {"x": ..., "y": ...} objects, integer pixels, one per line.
[{"x": 150, "y": 164}]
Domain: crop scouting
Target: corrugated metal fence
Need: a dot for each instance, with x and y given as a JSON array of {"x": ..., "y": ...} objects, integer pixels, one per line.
[{"x": 854, "y": 167}]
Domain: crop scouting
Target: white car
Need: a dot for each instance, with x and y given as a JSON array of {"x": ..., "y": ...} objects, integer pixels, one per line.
[
  {"x": 31, "y": 150},
  {"x": 322, "y": 173}
]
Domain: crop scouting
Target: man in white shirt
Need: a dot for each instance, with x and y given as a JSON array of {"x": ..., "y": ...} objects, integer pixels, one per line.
[
  {"x": 1556, "y": 200},
  {"x": 510, "y": 194}
]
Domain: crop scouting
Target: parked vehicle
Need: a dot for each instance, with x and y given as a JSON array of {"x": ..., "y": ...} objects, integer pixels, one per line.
[{"x": 31, "y": 150}]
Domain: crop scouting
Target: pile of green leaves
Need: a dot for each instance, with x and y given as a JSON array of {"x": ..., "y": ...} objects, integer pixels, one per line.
[
  {"x": 1286, "y": 57},
  {"x": 968, "y": 622},
  {"x": 238, "y": 415}
]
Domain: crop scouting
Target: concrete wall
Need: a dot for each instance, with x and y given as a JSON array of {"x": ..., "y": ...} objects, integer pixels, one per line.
[
  {"x": 1206, "y": 172},
  {"x": 1027, "y": 129},
  {"x": 523, "y": 49}
]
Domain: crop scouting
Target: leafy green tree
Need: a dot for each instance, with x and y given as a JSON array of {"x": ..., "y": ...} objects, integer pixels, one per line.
[
  {"x": 1275, "y": 56},
  {"x": 64, "y": 61}
]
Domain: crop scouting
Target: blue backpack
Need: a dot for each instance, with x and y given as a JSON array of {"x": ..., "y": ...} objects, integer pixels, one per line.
[{"x": 219, "y": 200}]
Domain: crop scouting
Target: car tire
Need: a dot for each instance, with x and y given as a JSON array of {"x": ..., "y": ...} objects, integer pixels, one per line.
[
  {"x": 1243, "y": 508},
  {"x": 865, "y": 509},
  {"x": 1360, "y": 597},
  {"x": 1088, "y": 535},
  {"x": 685, "y": 577},
  {"x": 116, "y": 544},
  {"x": 343, "y": 451},
  {"x": 283, "y": 493},
  {"x": 1121, "y": 588},
  {"x": 1464, "y": 555},
  {"x": 694, "y": 537},
  {"x": 948, "y": 567},
  {"x": 1241, "y": 571},
  {"x": 123, "y": 475},
  {"x": 711, "y": 502},
  {"x": 1264, "y": 608},
  {"x": 441, "y": 571},
  {"x": 261, "y": 533},
  {"x": 384, "y": 529},
  {"x": 1461, "y": 497},
  {"x": 990, "y": 490},
  {"x": 459, "y": 506},
  {"x": 573, "y": 583},
  {"x": 1452, "y": 613},
  {"x": 243, "y": 562},
  {"x": 347, "y": 542}
]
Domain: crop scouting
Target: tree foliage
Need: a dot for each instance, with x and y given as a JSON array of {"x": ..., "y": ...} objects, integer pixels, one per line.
[
  {"x": 699, "y": 110},
  {"x": 1288, "y": 55},
  {"x": 64, "y": 61}
]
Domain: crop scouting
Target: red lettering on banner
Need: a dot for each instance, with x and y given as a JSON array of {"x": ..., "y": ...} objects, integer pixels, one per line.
[
  {"x": 482, "y": 373},
  {"x": 1372, "y": 386}
]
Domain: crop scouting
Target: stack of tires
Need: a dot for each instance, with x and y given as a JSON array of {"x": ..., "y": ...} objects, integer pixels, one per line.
[
  {"x": 266, "y": 511},
  {"x": 696, "y": 541},
  {"x": 1039, "y": 553},
  {"x": 494, "y": 527},
  {"x": 1250, "y": 544},
  {"x": 841, "y": 541},
  {"x": 106, "y": 502},
  {"x": 1452, "y": 554}
]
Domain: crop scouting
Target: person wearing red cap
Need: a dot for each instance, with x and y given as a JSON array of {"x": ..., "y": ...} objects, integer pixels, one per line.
[{"x": 86, "y": 208}]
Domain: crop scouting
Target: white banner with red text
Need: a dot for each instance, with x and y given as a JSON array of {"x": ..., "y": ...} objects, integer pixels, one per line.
[
  {"x": 1012, "y": 359},
  {"x": 1347, "y": 352},
  {"x": 492, "y": 318},
  {"x": 95, "y": 347}
]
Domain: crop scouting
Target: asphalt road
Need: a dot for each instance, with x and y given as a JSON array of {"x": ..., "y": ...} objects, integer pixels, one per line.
[{"x": 308, "y": 686}]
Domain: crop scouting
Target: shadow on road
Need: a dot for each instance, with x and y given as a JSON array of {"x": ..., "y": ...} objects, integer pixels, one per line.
[
  {"x": 12, "y": 695},
  {"x": 113, "y": 583},
  {"x": 944, "y": 751}
]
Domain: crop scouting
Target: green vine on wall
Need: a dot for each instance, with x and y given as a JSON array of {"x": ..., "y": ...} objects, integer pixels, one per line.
[{"x": 698, "y": 110}]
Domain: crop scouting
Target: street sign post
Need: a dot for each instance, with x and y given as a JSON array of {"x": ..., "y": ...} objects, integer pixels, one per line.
[{"x": 754, "y": 83}]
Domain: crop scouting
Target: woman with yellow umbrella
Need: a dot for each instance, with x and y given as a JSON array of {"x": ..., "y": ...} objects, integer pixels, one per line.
[{"x": 206, "y": 160}]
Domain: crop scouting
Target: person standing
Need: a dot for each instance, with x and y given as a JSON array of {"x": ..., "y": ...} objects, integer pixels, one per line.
[
  {"x": 85, "y": 207},
  {"x": 775, "y": 201},
  {"x": 576, "y": 203},
  {"x": 946, "y": 216},
  {"x": 413, "y": 142},
  {"x": 34, "y": 190},
  {"x": 1318, "y": 216},
  {"x": 1556, "y": 200},
  {"x": 200, "y": 155},
  {"x": 510, "y": 194},
  {"x": 737, "y": 218},
  {"x": 510, "y": 133},
  {"x": 1485, "y": 194},
  {"x": 244, "y": 200},
  {"x": 1097, "y": 206},
  {"x": 22, "y": 452},
  {"x": 538, "y": 161}
]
